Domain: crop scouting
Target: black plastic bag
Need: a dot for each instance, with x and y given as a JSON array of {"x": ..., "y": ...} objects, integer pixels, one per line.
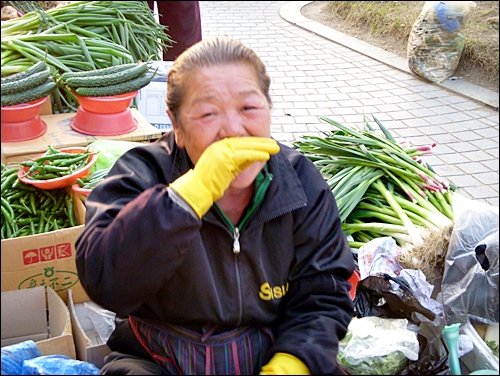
[
  {"x": 377, "y": 296},
  {"x": 433, "y": 354}
]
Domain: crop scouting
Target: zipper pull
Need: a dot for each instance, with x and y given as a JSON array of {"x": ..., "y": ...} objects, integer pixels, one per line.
[{"x": 236, "y": 241}]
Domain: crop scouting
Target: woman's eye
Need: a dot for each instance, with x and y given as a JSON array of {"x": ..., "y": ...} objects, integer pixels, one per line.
[{"x": 246, "y": 108}]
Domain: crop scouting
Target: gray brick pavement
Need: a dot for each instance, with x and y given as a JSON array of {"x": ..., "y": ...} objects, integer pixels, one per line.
[{"x": 314, "y": 75}]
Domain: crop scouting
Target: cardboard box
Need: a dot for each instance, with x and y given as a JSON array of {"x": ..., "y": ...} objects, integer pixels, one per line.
[
  {"x": 47, "y": 107},
  {"x": 60, "y": 134},
  {"x": 88, "y": 344},
  {"x": 44, "y": 260},
  {"x": 24, "y": 317}
]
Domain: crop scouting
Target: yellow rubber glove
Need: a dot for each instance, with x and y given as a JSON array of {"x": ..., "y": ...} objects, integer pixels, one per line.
[
  {"x": 284, "y": 364},
  {"x": 218, "y": 166}
]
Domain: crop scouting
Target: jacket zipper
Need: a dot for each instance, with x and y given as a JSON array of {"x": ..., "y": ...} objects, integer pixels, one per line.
[
  {"x": 236, "y": 240},
  {"x": 236, "y": 251}
]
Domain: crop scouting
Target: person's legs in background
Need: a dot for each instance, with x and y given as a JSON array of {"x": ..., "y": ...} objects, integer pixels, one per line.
[{"x": 184, "y": 24}]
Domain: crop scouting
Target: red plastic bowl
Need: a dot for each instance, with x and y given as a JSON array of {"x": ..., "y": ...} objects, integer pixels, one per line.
[
  {"x": 107, "y": 105},
  {"x": 95, "y": 124},
  {"x": 22, "y": 112},
  {"x": 82, "y": 191},
  {"x": 22, "y": 122},
  {"x": 62, "y": 181}
]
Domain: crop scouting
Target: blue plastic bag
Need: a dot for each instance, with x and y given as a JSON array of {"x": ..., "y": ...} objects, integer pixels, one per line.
[
  {"x": 58, "y": 365},
  {"x": 14, "y": 355}
]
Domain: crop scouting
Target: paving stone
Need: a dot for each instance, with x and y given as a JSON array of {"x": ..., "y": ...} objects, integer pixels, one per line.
[
  {"x": 482, "y": 192},
  {"x": 432, "y": 130},
  {"x": 476, "y": 156},
  {"x": 473, "y": 168},
  {"x": 454, "y": 158},
  {"x": 444, "y": 139},
  {"x": 400, "y": 115},
  {"x": 491, "y": 164},
  {"x": 461, "y": 147},
  {"x": 458, "y": 116},
  {"x": 489, "y": 178},
  {"x": 493, "y": 152},
  {"x": 492, "y": 201},
  {"x": 466, "y": 181},
  {"x": 467, "y": 136},
  {"x": 487, "y": 144},
  {"x": 441, "y": 149},
  {"x": 422, "y": 112},
  {"x": 447, "y": 170}
]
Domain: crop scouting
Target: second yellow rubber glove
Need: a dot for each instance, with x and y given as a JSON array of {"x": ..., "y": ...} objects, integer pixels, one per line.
[
  {"x": 284, "y": 364},
  {"x": 218, "y": 166}
]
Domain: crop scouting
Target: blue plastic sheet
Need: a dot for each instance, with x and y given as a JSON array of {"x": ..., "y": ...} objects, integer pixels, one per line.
[
  {"x": 14, "y": 355},
  {"x": 57, "y": 365}
]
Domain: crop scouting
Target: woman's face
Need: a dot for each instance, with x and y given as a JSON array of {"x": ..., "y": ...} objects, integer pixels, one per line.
[{"x": 219, "y": 102}]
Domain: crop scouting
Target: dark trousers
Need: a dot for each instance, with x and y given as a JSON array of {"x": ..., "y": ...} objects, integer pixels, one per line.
[
  {"x": 123, "y": 364},
  {"x": 184, "y": 24}
]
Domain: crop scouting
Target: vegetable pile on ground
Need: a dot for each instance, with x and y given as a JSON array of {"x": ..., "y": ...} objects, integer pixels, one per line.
[
  {"x": 27, "y": 210},
  {"x": 382, "y": 187},
  {"x": 32, "y": 84},
  {"x": 81, "y": 36}
]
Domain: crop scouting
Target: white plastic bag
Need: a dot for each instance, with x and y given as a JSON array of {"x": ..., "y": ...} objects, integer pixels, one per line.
[
  {"x": 377, "y": 346},
  {"x": 469, "y": 288}
]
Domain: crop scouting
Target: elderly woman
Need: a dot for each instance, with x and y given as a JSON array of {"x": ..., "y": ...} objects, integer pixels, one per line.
[{"x": 221, "y": 249}]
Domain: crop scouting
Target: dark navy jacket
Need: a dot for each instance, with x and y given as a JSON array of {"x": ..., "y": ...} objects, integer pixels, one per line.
[{"x": 142, "y": 254}]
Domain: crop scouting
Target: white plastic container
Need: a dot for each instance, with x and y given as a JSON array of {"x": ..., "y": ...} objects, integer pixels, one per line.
[{"x": 481, "y": 357}]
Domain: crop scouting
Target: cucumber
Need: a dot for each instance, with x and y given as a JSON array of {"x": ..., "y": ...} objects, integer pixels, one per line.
[
  {"x": 36, "y": 79},
  {"x": 29, "y": 95},
  {"x": 125, "y": 87},
  {"x": 38, "y": 67},
  {"x": 98, "y": 72},
  {"x": 108, "y": 79}
]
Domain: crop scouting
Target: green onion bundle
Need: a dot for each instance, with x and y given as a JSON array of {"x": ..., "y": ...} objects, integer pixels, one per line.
[
  {"x": 82, "y": 36},
  {"x": 382, "y": 188}
]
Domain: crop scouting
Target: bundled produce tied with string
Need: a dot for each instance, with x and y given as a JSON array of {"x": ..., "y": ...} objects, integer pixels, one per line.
[
  {"x": 382, "y": 187},
  {"x": 86, "y": 37}
]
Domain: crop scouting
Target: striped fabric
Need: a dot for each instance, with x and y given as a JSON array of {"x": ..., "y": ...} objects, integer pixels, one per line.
[{"x": 180, "y": 351}]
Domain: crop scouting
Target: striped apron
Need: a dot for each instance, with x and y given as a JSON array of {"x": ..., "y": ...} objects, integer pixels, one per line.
[{"x": 181, "y": 351}]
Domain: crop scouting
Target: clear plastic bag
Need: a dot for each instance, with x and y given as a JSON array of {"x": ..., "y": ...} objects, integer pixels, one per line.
[
  {"x": 437, "y": 39},
  {"x": 102, "y": 319},
  {"x": 377, "y": 346},
  {"x": 110, "y": 151},
  {"x": 469, "y": 289}
]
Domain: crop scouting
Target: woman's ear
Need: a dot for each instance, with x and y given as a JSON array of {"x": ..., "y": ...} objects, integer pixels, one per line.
[{"x": 179, "y": 140}]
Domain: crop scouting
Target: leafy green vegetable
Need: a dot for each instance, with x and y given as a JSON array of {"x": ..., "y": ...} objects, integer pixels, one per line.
[
  {"x": 389, "y": 364},
  {"x": 493, "y": 345}
]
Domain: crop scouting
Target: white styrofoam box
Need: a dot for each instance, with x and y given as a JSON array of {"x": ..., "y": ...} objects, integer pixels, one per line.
[
  {"x": 151, "y": 98},
  {"x": 481, "y": 357}
]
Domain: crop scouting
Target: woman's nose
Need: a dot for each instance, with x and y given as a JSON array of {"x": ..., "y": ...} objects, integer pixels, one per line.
[{"x": 232, "y": 125}]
